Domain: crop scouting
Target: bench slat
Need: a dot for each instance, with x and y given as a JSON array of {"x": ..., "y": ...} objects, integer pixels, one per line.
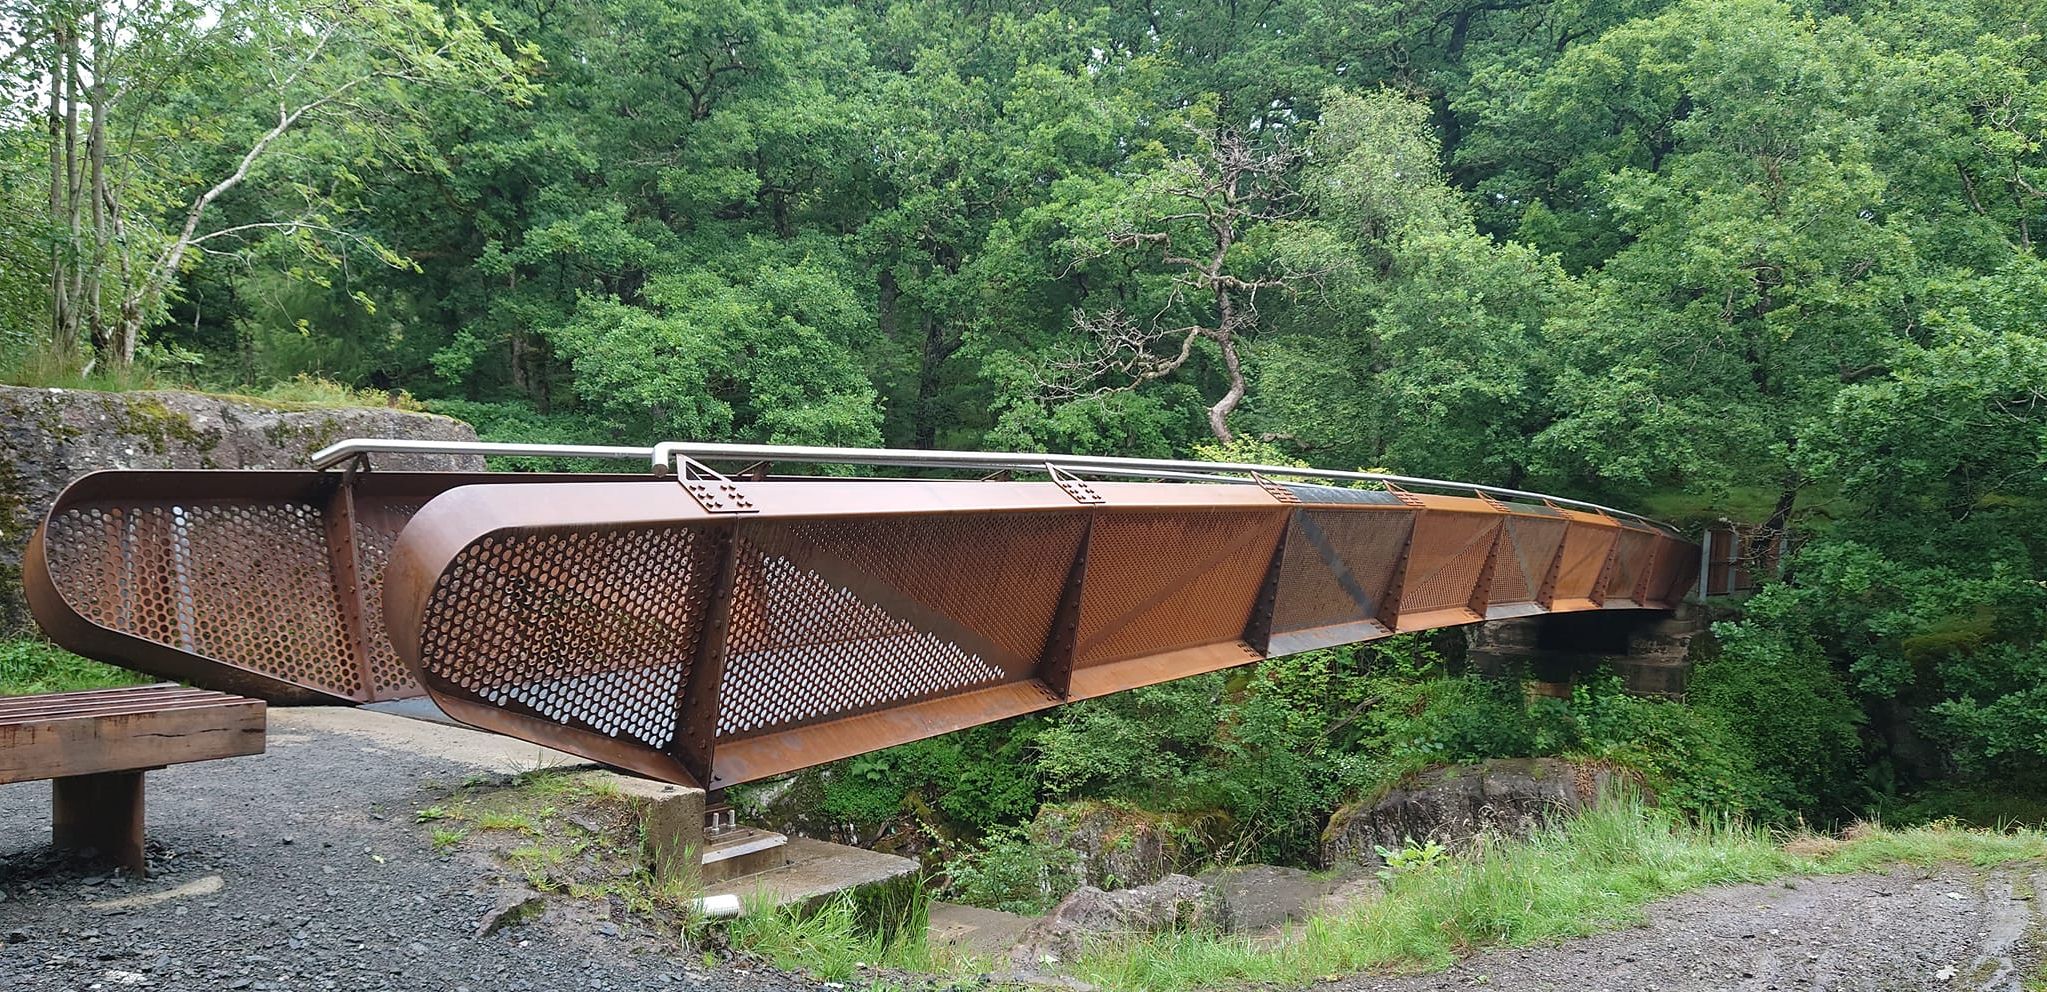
[
  {"x": 111, "y": 709},
  {"x": 10, "y": 704},
  {"x": 119, "y": 690},
  {"x": 88, "y": 706},
  {"x": 60, "y": 746}
]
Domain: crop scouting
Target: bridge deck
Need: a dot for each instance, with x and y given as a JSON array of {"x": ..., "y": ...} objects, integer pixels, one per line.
[{"x": 790, "y": 622}]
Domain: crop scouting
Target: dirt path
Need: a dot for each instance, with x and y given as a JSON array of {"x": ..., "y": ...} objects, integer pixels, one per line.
[{"x": 1949, "y": 928}]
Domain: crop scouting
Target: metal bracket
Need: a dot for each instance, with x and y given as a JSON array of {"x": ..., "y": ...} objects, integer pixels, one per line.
[
  {"x": 1488, "y": 499},
  {"x": 1607, "y": 567},
  {"x": 1404, "y": 496},
  {"x": 1075, "y": 486},
  {"x": 1062, "y": 644},
  {"x": 714, "y": 492},
  {"x": 1275, "y": 490}
]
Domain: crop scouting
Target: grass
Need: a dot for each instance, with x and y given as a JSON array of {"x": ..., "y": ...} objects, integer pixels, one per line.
[
  {"x": 313, "y": 392},
  {"x": 563, "y": 832},
  {"x": 840, "y": 941},
  {"x": 30, "y": 665},
  {"x": 1999, "y": 806},
  {"x": 1590, "y": 874},
  {"x": 41, "y": 365},
  {"x": 43, "y": 368},
  {"x": 1866, "y": 847}
]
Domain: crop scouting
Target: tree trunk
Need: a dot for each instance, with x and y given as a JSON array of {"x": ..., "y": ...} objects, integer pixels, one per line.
[
  {"x": 96, "y": 156},
  {"x": 1219, "y": 414},
  {"x": 924, "y": 429},
  {"x": 63, "y": 323}
]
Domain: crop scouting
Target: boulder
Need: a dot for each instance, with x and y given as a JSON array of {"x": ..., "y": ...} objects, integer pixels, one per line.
[
  {"x": 1118, "y": 846},
  {"x": 49, "y": 437},
  {"x": 1453, "y": 804},
  {"x": 1255, "y": 898},
  {"x": 1175, "y": 902}
]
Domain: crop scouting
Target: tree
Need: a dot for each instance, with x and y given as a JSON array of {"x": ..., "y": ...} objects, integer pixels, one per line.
[
  {"x": 143, "y": 97},
  {"x": 1204, "y": 214}
]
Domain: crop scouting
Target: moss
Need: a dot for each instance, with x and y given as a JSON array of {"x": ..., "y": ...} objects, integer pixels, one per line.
[
  {"x": 158, "y": 426},
  {"x": 305, "y": 437}
]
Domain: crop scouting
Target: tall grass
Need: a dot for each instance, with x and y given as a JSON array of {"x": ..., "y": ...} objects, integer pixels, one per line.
[
  {"x": 1578, "y": 877},
  {"x": 43, "y": 367},
  {"x": 836, "y": 940},
  {"x": 1582, "y": 876},
  {"x": 1869, "y": 846}
]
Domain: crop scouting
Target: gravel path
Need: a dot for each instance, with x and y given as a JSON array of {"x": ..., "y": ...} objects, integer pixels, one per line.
[
  {"x": 1949, "y": 929},
  {"x": 302, "y": 869}
]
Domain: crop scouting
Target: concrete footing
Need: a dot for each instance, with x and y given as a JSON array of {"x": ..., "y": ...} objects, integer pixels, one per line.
[
  {"x": 754, "y": 864},
  {"x": 671, "y": 818},
  {"x": 816, "y": 870},
  {"x": 741, "y": 851}
]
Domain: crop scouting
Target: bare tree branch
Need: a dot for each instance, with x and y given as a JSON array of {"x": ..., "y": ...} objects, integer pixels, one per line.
[{"x": 1204, "y": 205}]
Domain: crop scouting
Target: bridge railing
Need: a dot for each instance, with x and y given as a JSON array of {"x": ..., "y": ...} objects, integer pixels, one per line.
[{"x": 713, "y": 630}]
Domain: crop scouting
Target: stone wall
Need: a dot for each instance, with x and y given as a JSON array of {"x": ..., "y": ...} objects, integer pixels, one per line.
[
  {"x": 1652, "y": 652},
  {"x": 49, "y": 437}
]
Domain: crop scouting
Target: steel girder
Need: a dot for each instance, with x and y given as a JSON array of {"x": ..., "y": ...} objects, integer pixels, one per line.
[{"x": 708, "y": 631}]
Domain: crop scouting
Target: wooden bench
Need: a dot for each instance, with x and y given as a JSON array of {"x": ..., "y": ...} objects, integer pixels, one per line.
[{"x": 95, "y": 745}]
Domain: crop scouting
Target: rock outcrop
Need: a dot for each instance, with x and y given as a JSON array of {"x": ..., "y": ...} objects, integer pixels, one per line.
[
  {"x": 49, "y": 437},
  {"x": 1455, "y": 803},
  {"x": 1118, "y": 846},
  {"x": 1175, "y": 902}
]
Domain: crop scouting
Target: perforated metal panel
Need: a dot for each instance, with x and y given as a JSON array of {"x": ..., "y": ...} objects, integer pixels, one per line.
[
  {"x": 238, "y": 581},
  {"x": 623, "y": 620},
  {"x": 1527, "y": 549},
  {"x": 1444, "y": 563},
  {"x": 835, "y": 618},
  {"x": 1160, "y": 582},
  {"x": 594, "y": 630},
  {"x": 1338, "y": 565},
  {"x": 1586, "y": 546},
  {"x": 1631, "y": 562},
  {"x": 376, "y": 530}
]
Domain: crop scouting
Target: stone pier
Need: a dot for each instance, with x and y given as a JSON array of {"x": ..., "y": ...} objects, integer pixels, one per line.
[{"x": 1650, "y": 651}]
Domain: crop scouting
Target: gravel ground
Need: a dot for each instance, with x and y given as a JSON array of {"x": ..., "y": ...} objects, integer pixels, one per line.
[
  {"x": 323, "y": 882},
  {"x": 1935, "y": 929}
]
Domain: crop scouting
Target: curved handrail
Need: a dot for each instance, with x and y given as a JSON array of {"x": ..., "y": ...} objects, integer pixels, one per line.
[{"x": 661, "y": 458}]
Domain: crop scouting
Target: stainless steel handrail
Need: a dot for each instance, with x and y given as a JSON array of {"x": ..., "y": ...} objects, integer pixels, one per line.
[{"x": 662, "y": 458}]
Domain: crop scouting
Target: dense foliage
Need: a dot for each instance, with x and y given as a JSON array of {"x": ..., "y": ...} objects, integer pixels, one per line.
[{"x": 1772, "y": 260}]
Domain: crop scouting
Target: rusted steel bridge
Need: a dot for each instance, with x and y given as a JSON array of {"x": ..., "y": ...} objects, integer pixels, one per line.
[{"x": 711, "y": 629}]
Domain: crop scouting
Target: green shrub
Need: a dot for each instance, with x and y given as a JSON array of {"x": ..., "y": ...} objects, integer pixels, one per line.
[
  {"x": 1791, "y": 712},
  {"x": 1693, "y": 760},
  {"x": 1009, "y": 872},
  {"x": 974, "y": 779}
]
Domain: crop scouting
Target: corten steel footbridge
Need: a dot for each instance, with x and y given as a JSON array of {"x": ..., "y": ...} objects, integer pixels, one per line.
[{"x": 711, "y": 629}]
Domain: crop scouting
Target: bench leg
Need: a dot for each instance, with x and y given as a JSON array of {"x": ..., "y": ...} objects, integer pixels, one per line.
[{"x": 101, "y": 811}]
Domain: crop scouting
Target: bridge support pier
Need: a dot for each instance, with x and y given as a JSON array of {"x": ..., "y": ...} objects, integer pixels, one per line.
[{"x": 1651, "y": 652}]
